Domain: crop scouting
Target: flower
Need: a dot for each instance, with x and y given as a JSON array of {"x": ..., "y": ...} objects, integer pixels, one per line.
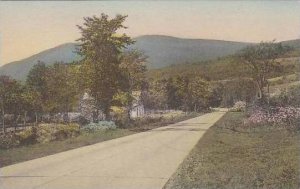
[{"x": 274, "y": 115}]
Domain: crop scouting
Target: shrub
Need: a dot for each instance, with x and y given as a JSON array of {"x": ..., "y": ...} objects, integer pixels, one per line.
[
  {"x": 277, "y": 115},
  {"x": 148, "y": 120},
  {"x": 66, "y": 131},
  {"x": 27, "y": 136},
  {"x": 43, "y": 133},
  {"x": 82, "y": 121},
  {"x": 122, "y": 120},
  {"x": 50, "y": 132},
  {"x": 287, "y": 97},
  {"x": 8, "y": 140},
  {"x": 239, "y": 106},
  {"x": 101, "y": 125}
]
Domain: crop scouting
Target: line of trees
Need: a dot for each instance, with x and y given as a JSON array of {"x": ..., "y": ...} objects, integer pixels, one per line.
[
  {"x": 188, "y": 94},
  {"x": 197, "y": 94},
  {"x": 47, "y": 90},
  {"x": 193, "y": 92}
]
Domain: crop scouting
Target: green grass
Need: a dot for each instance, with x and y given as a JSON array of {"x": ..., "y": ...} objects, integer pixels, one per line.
[
  {"x": 284, "y": 79},
  {"x": 231, "y": 156},
  {"x": 14, "y": 155},
  {"x": 145, "y": 125},
  {"x": 24, "y": 153},
  {"x": 275, "y": 89}
]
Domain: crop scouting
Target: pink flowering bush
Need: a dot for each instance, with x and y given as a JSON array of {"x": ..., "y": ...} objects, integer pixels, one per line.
[{"x": 274, "y": 115}]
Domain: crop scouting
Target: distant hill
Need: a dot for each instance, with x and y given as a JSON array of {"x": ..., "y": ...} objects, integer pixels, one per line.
[
  {"x": 162, "y": 51},
  {"x": 293, "y": 43},
  {"x": 20, "y": 69}
]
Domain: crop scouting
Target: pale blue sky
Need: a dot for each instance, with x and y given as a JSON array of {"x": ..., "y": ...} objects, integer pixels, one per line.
[{"x": 27, "y": 28}]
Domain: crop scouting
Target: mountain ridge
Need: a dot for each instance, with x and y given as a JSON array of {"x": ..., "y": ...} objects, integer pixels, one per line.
[{"x": 162, "y": 51}]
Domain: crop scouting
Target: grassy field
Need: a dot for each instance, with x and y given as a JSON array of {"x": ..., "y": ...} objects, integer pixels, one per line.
[
  {"x": 284, "y": 79},
  {"x": 231, "y": 156},
  {"x": 24, "y": 153}
]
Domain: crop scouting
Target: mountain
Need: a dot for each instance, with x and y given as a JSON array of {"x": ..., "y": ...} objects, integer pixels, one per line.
[
  {"x": 293, "y": 43},
  {"x": 162, "y": 51},
  {"x": 20, "y": 69}
]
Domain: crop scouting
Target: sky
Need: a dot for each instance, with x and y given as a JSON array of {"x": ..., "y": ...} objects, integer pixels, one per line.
[{"x": 27, "y": 28}]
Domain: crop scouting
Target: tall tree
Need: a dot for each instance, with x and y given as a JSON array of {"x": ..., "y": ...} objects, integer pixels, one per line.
[
  {"x": 101, "y": 47},
  {"x": 174, "y": 97},
  {"x": 10, "y": 98},
  {"x": 261, "y": 60},
  {"x": 155, "y": 95},
  {"x": 36, "y": 84},
  {"x": 183, "y": 95},
  {"x": 32, "y": 103},
  {"x": 133, "y": 69},
  {"x": 199, "y": 94},
  {"x": 61, "y": 89}
]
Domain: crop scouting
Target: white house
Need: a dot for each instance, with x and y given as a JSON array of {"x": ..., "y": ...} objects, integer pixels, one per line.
[
  {"x": 137, "y": 109},
  {"x": 87, "y": 107}
]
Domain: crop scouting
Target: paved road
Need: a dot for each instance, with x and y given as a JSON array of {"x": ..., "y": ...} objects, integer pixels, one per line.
[{"x": 143, "y": 160}]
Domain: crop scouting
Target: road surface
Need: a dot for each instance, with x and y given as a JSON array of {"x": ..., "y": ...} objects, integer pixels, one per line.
[{"x": 143, "y": 160}]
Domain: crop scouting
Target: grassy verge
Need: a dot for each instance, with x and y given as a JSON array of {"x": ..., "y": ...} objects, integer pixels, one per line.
[
  {"x": 148, "y": 124},
  {"x": 229, "y": 156},
  {"x": 24, "y": 153}
]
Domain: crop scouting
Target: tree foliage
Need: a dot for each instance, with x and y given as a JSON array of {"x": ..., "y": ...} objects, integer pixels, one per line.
[
  {"x": 261, "y": 60},
  {"x": 101, "y": 47},
  {"x": 11, "y": 101},
  {"x": 52, "y": 89},
  {"x": 133, "y": 69},
  {"x": 182, "y": 93}
]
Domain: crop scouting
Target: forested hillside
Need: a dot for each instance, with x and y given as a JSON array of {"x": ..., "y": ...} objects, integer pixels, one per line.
[{"x": 222, "y": 69}]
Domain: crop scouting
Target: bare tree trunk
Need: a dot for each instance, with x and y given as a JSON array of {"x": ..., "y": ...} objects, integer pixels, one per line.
[
  {"x": 268, "y": 96},
  {"x": 107, "y": 115},
  {"x": 95, "y": 115},
  {"x": 259, "y": 86},
  {"x": 128, "y": 113},
  {"x": 3, "y": 121},
  {"x": 259, "y": 91},
  {"x": 36, "y": 119},
  {"x": 25, "y": 117},
  {"x": 16, "y": 122}
]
